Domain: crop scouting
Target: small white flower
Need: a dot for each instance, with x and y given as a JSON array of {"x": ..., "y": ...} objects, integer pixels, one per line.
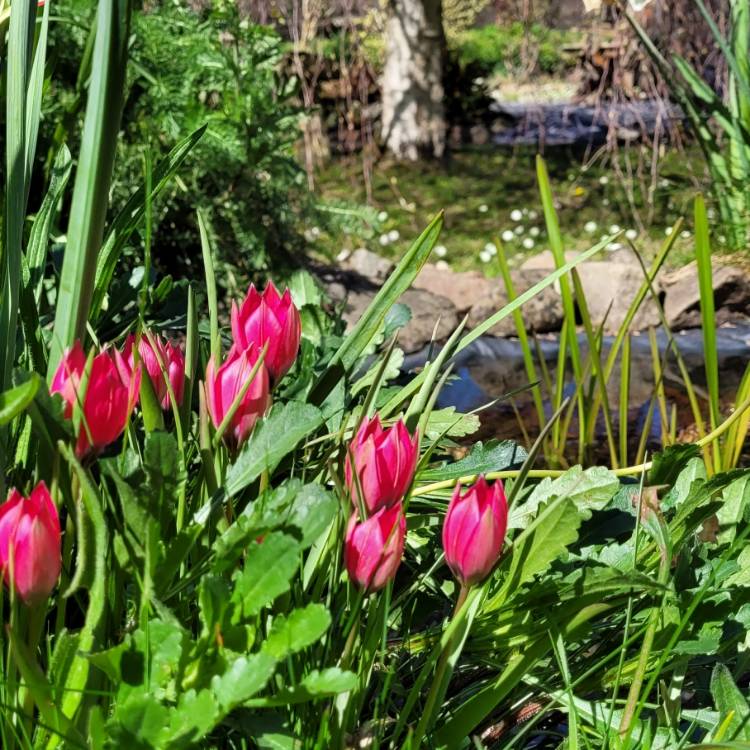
[
  {"x": 590, "y": 227},
  {"x": 315, "y": 232},
  {"x": 722, "y": 239},
  {"x": 490, "y": 248},
  {"x": 685, "y": 234},
  {"x": 442, "y": 265},
  {"x": 614, "y": 229},
  {"x": 668, "y": 231},
  {"x": 533, "y": 215},
  {"x": 612, "y": 246},
  {"x": 384, "y": 240},
  {"x": 604, "y": 180},
  {"x": 528, "y": 243},
  {"x": 520, "y": 229},
  {"x": 343, "y": 255},
  {"x": 663, "y": 183},
  {"x": 534, "y": 231},
  {"x": 631, "y": 234},
  {"x": 483, "y": 208},
  {"x": 382, "y": 216},
  {"x": 507, "y": 235},
  {"x": 605, "y": 202},
  {"x": 516, "y": 215},
  {"x": 441, "y": 251},
  {"x": 710, "y": 212},
  {"x": 484, "y": 256},
  {"x": 393, "y": 235}
]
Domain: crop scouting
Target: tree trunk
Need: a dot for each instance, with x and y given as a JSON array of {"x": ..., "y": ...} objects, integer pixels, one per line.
[{"x": 413, "y": 110}]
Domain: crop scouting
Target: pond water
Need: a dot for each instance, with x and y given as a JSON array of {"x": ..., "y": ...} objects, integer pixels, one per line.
[{"x": 491, "y": 367}]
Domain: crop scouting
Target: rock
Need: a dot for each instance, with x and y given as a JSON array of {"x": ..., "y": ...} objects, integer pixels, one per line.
[
  {"x": 546, "y": 261},
  {"x": 426, "y": 308},
  {"x": 542, "y": 313},
  {"x": 462, "y": 288},
  {"x": 682, "y": 303},
  {"x": 607, "y": 283},
  {"x": 370, "y": 265}
]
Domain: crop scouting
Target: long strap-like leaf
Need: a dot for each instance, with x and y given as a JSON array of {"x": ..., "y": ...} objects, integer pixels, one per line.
[{"x": 93, "y": 176}]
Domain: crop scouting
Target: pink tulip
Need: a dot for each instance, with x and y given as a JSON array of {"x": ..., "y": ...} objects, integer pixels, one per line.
[
  {"x": 30, "y": 556},
  {"x": 373, "y": 548},
  {"x": 224, "y": 385},
  {"x": 474, "y": 530},
  {"x": 268, "y": 318},
  {"x": 385, "y": 462},
  {"x": 166, "y": 355},
  {"x": 110, "y": 395}
]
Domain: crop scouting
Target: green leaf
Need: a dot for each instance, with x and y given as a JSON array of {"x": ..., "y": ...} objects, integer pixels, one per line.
[
  {"x": 317, "y": 684},
  {"x": 273, "y": 438},
  {"x": 553, "y": 530},
  {"x": 588, "y": 490},
  {"x": 269, "y": 566},
  {"x": 667, "y": 465},
  {"x": 195, "y": 715},
  {"x": 729, "y": 700},
  {"x": 450, "y": 423},
  {"x": 300, "y": 629},
  {"x": 14, "y": 401},
  {"x": 494, "y": 456},
  {"x": 88, "y": 208},
  {"x": 245, "y": 677},
  {"x": 735, "y": 499}
]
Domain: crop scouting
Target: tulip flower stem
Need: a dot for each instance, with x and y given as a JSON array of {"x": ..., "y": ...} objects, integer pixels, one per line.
[
  {"x": 35, "y": 622},
  {"x": 437, "y": 684}
]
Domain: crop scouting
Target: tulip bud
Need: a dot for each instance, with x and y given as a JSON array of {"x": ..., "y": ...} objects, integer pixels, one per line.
[
  {"x": 110, "y": 395},
  {"x": 30, "y": 557},
  {"x": 224, "y": 385},
  {"x": 474, "y": 530},
  {"x": 385, "y": 462},
  {"x": 373, "y": 548},
  {"x": 163, "y": 354},
  {"x": 268, "y": 318}
]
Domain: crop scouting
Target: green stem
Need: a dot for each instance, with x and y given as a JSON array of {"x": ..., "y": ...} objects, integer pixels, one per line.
[
  {"x": 36, "y": 617},
  {"x": 426, "y": 720}
]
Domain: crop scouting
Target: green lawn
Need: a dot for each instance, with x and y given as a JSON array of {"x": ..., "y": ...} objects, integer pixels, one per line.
[{"x": 483, "y": 190}]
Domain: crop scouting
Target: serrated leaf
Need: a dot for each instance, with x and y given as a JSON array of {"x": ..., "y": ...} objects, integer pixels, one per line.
[
  {"x": 450, "y": 423},
  {"x": 317, "y": 684},
  {"x": 494, "y": 456},
  {"x": 273, "y": 438},
  {"x": 300, "y": 629},
  {"x": 588, "y": 490},
  {"x": 269, "y": 566}
]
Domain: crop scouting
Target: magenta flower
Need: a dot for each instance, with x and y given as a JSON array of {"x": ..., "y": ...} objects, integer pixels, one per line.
[
  {"x": 385, "y": 462},
  {"x": 166, "y": 355},
  {"x": 474, "y": 530},
  {"x": 110, "y": 395},
  {"x": 224, "y": 385},
  {"x": 268, "y": 318},
  {"x": 30, "y": 557},
  {"x": 373, "y": 548}
]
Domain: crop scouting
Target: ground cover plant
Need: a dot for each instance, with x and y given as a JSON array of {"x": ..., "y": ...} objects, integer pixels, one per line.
[{"x": 251, "y": 530}]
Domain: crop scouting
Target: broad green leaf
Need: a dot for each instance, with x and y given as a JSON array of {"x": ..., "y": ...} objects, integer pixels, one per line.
[
  {"x": 667, "y": 465},
  {"x": 273, "y": 438},
  {"x": 14, "y": 401},
  {"x": 268, "y": 567},
  {"x": 450, "y": 423},
  {"x": 552, "y": 531},
  {"x": 300, "y": 629},
  {"x": 589, "y": 489},
  {"x": 316, "y": 685},
  {"x": 494, "y": 456},
  {"x": 729, "y": 700},
  {"x": 195, "y": 715},
  {"x": 139, "y": 722},
  {"x": 245, "y": 677},
  {"x": 735, "y": 499}
]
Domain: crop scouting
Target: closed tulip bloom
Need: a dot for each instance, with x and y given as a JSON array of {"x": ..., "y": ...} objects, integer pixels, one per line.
[
  {"x": 268, "y": 318},
  {"x": 162, "y": 354},
  {"x": 373, "y": 548},
  {"x": 111, "y": 393},
  {"x": 474, "y": 530},
  {"x": 224, "y": 384},
  {"x": 385, "y": 462},
  {"x": 30, "y": 557}
]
